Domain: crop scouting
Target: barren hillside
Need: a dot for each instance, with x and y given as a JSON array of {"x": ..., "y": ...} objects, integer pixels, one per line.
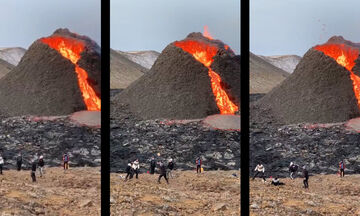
[{"x": 263, "y": 75}]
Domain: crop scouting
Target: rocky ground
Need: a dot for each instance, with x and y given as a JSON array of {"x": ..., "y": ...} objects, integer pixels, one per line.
[
  {"x": 327, "y": 195},
  {"x": 320, "y": 147},
  {"x": 76, "y": 192},
  {"x": 50, "y": 137},
  {"x": 184, "y": 141},
  {"x": 209, "y": 193}
]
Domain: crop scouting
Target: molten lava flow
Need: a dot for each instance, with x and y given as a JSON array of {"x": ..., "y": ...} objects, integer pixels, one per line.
[
  {"x": 204, "y": 53},
  {"x": 345, "y": 56},
  {"x": 71, "y": 50}
]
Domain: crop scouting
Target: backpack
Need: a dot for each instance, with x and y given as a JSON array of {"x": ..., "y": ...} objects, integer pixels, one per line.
[{"x": 66, "y": 158}]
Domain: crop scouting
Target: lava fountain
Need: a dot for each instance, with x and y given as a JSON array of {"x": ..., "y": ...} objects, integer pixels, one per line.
[
  {"x": 345, "y": 56},
  {"x": 204, "y": 52},
  {"x": 71, "y": 49}
]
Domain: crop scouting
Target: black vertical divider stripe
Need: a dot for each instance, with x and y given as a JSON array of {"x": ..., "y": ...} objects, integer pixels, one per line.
[
  {"x": 245, "y": 107},
  {"x": 105, "y": 107}
]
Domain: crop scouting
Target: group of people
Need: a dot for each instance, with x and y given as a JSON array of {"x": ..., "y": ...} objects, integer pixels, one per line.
[
  {"x": 36, "y": 163},
  {"x": 165, "y": 168},
  {"x": 293, "y": 168}
]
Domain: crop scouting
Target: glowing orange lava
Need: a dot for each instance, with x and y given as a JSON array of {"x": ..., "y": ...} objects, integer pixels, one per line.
[
  {"x": 71, "y": 49},
  {"x": 204, "y": 53},
  {"x": 206, "y": 33},
  {"x": 345, "y": 56}
]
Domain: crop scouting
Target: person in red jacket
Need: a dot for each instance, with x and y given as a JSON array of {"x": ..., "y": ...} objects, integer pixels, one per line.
[
  {"x": 342, "y": 168},
  {"x": 198, "y": 165}
]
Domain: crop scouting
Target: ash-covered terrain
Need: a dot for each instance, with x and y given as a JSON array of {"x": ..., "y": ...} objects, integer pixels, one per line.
[
  {"x": 52, "y": 138},
  {"x": 133, "y": 137}
]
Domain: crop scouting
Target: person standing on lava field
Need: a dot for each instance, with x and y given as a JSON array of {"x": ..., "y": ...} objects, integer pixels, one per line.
[
  {"x": 1, "y": 164},
  {"x": 33, "y": 170},
  {"x": 19, "y": 161},
  {"x": 306, "y": 177},
  {"x": 152, "y": 165},
  {"x": 260, "y": 169},
  {"x": 136, "y": 168},
  {"x": 162, "y": 172},
  {"x": 170, "y": 167},
  {"x": 198, "y": 165},
  {"x": 66, "y": 161},
  {"x": 41, "y": 164},
  {"x": 129, "y": 171},
  {"x": 293, "y": 169},
  {"x": 342, "y": 168}
]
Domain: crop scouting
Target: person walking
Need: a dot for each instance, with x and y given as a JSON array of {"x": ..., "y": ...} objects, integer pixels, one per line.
[
  {"x": 293, "y": 169},
  {"x": 19, "y": 160},
  {"x": 33, "y": 170},
  {"x": 198, "y": 165},
  {"x": 306, "y": 177},
  {"x": 41, "y": 164},
  {"x": 342, "y": 168},
  {"x": 128, "y": 171},
  {"x": 1, "y": 164},
  {"x": 152, "y": 165},
  {"x": 260, "y": 169},
  {"x": 170, "y": 167},
  {"x": 163, "y": 172},
  {"x": 66, "y": 161},
  {"x": 136, "y": 168}
]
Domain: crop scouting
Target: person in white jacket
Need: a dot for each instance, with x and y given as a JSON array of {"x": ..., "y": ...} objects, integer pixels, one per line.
[
  {"x": 1, "y": 164},
  {"x": 260, "y": 169},
  {"x": 136, "y": 167}
]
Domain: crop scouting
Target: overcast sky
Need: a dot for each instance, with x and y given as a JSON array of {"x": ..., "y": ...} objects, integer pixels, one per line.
[
  {"x": 151, "y": 25},
  {"x": 24, "y": 21},
  {"x": 281, "y": 27}
]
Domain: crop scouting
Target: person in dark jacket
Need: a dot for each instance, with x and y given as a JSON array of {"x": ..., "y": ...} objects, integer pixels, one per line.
[
  {"x": 293, "y": 169},
  {"x": 342, "y": 168},
  {"x": 1, "y": 164},
  {"x": 41, "y": 164},
  {"x": 198, "y": 165},
  {"x": 306, "y": 177},
  {"x": 171, "y": 166},
  {"x": 19, "y": 160},
  {"x": 66, "y": 160},
  {"x": 33, "y": 171},
  {"x": 129, "y": 171},
  {"x": 277, "y": 182},
  {"x": 152, "y": 165},
  {"x": 163, "y": 172}
]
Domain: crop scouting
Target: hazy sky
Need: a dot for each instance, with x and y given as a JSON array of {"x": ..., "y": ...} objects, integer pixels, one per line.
[
  {"x": 24, "y": 21},
  {"x": 151, "y": 25},
  {"x": 280, "y": 27}
]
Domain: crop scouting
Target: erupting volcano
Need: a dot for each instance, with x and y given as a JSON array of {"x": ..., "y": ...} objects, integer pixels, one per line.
[
  {"x": 192, "y": 78},
  {"x": 204, "y": 53},
  {"x": 324, "y": 87},
  {"x": 58, "y": 75},
  {"x": 344, "y": 55},
  {"x": 71, "y": 49}
]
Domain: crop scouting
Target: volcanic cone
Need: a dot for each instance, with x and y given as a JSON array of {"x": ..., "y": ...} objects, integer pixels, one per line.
[
  {"x": 323, "y": 88},
  {"x": 58, "y": 75},
  {"x": 192, "y": 78}
]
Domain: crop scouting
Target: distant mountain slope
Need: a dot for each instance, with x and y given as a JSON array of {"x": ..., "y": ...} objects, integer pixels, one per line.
[
  {"x": 12, "y": 55},
  {"x": 123, "y": 71},
  {"x": 5, "y": 68},
  {"x": 143, "y": 58},
  {"x": 263, "y": 75},
  {"x": 286, "y": 62}
]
